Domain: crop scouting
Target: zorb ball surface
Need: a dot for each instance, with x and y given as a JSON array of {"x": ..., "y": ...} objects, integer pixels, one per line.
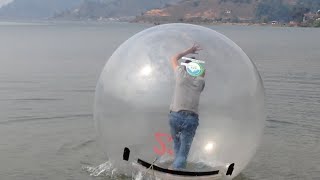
[{"x": 134, "y": 93}]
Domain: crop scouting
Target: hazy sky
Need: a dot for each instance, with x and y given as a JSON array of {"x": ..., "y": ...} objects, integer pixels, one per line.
[{"x": 4, "y": 2}]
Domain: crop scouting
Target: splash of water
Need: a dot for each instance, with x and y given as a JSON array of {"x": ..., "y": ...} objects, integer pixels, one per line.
[
  {"x": 104, "y": 169},
  {"x": 134, "y": 171},
  {"x": 108, "y": 169}
]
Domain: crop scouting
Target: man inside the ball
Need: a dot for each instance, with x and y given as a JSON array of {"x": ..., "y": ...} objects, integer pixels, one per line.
[{"x": 184, "y": 112}]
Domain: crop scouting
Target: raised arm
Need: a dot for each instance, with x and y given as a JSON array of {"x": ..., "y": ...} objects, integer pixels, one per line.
[{"x": 174, "y": 59}]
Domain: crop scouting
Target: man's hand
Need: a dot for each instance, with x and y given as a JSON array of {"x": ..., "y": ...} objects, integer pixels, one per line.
[{"x": 193, "y": 50}]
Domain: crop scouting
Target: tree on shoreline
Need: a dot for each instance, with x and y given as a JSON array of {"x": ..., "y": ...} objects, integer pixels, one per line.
[
  {"x": 277, "y": 10},
  {"x": 273, "y": 10}
]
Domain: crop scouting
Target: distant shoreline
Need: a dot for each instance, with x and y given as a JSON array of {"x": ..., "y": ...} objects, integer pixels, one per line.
[
  {"x": 66, "y": 21},
  {"x": 224, "y": 23}
]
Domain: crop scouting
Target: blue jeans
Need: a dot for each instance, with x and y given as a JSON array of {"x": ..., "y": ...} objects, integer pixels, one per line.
[{"x": 183, "y": 126}]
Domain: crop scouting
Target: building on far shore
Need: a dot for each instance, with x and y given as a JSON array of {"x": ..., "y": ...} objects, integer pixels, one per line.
[
  {"x": 227, "y": 11},
  {"x": 293, "y": 24},
  {"x": 311, "y": 19},
  {"x": 311, "y": 16}
]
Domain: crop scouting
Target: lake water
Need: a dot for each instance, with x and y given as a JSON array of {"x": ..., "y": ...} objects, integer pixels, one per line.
[{"x": 48, "y": 74}]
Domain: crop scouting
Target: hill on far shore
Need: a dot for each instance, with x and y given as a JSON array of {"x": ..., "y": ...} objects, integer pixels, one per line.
[
  {"x": 205, "y": 9},
  {"x": 233, "y": 11},
  {"x": 95, "y": 9}
]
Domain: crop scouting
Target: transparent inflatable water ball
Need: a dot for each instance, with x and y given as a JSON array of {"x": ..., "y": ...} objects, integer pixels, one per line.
[{"x": 137, "y": 85}]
